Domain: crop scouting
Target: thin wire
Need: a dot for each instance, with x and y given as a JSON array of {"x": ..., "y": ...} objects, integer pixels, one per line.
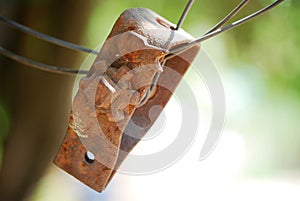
[
  {"x": 173, "y": 51},
  {"x": 45, "y": 37},
  {"x": 186, "y": 46},
  {"x": 40, "y": 66},
  {"x": 229, "y": 16},
  {"x": 184, "y": 14}
]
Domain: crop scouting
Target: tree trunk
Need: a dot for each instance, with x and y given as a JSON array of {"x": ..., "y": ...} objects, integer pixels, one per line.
[{"x": 38, "y": 102}]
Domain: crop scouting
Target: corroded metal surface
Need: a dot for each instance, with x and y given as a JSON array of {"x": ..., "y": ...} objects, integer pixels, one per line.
[{"x": 109, "y": 97}]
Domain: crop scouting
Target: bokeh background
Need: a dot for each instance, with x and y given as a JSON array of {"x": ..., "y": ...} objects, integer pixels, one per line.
[{"x": 258, "y": 156}]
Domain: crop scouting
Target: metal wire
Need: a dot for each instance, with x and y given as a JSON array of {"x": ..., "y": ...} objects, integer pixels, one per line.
[
  {"x": 45, "y": 37},
  {"x": 184, "y": 14},
  {"x": 216, "y": 30},
  {"x": 182, "y": 48},
  {"x": 228, "y": 17},
  {"x": 38, "y": 65}
]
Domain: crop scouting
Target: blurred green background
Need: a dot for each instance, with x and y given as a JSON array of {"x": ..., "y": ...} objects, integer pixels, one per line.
[{"x": 259, "y": 64}]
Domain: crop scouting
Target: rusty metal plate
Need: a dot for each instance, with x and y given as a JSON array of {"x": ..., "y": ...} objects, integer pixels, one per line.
[{"x": 115, "y": 93}]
